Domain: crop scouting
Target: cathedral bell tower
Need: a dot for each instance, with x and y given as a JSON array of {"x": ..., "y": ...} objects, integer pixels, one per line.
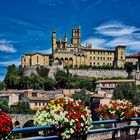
[{"x": 76, "y": 39}]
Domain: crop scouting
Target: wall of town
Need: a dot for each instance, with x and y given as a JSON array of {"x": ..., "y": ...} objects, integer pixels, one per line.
[
  {"x": 99, "y": 73},
  {"x": 86, "y": 73}
]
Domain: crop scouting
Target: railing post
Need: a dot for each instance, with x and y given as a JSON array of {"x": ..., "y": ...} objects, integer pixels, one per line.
[{"x": 94, "y": 105}]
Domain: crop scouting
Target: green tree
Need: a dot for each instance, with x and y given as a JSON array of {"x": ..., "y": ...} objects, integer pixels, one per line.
[
  {"x": 12, "y": 77},
  {"x": 21, "y": 108},
  {"x": 37, "y": 82},
  {"x": 42, "y": 71},
  {"x": 127, "y": 91},
  {"x": 62, "y": 79},
  {"x": 129, "y": 67},
  {"x": 86, "y": 83},
  {"x": 2, "y": 85},
  {"x": 49, "y": 84},
  {"x": 4, "y": 105},
  {"x": 83, "y": 96},
  {"x": 24, "y": 82}
]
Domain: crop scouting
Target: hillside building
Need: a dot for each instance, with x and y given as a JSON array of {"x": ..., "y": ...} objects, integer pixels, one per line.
[
  {"x": 75, "y": 54},
  {"x": 33, "y": 59}
]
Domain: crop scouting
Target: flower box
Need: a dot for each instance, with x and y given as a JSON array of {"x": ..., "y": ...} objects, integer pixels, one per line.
[
  {"x": 118, "y": 109},
  {"x": 70, "y": 118}
]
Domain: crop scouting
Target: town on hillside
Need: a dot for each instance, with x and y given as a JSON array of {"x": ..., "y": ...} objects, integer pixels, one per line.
[{"x": 72, "y": 70}]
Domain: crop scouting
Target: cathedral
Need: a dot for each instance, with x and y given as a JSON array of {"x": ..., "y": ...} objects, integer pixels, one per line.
[{"x": 75, "y": 54}]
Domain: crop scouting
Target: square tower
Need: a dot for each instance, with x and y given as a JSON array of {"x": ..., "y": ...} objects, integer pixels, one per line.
[
  {"x": 76, "y": 36},
  {"x": 120, "y": 56}
]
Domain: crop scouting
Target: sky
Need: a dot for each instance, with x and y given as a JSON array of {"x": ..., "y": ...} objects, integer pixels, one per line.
[{"x": 26, "y": 25}]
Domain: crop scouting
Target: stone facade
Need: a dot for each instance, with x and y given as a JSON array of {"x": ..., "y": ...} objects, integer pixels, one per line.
[
  {"x": 33, "y": 59},
  {"x": 99, "y": 73},
  {"x": 74, "y": 54}
]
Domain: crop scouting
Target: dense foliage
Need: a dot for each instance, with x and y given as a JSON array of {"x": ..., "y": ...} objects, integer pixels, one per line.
[
  {"x": 2, "y": 85},
  {"x": 127, "y": 91},
  {"x": 15, "y": 79},
  {"x": 4, "y": 105},
  {"x": 19, "y": 108},
  {"x": 83, "y": 96},
  {"x": 63, "y": 79}
]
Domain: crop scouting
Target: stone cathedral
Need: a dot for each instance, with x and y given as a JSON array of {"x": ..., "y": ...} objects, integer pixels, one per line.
[{"x": 75, "y": 54}]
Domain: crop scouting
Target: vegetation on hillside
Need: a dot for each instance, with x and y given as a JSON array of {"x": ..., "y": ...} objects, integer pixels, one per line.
[
  {"x": 63, "y": 79},
  {"x": 19, "y": 108},
  {"x": 14, "y": 79},
  {"x": 127, "y": 91},
  {"x": 83, "y": 96}
]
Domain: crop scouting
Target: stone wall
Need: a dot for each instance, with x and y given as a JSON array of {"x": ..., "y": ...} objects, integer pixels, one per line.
[
  {"x": 29, "y": 70},
  {"x": 99, "y": 73}
]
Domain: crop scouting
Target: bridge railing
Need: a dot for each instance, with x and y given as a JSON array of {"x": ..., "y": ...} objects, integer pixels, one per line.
[{"x": 114, "y": 129}]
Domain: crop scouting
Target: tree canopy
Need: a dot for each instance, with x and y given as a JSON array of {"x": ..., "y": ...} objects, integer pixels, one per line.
[
  {"x": 83, "y": 96},
  {"x": 127, "y": 91},
  {"x": 4, "y": 105}
]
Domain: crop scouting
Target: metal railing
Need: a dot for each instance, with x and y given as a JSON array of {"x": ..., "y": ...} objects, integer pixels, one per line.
[{"x": 114, "y": 129}]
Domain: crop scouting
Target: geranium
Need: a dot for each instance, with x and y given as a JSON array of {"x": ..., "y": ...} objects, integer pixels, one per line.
[
  {"x": 118, "y": 109},
  {"x": 6, "y": 125},
  {"x": 67, "y": 114}
]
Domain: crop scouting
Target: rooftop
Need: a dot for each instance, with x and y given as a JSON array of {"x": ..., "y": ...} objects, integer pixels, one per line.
[{"x": 116, "y": 81}]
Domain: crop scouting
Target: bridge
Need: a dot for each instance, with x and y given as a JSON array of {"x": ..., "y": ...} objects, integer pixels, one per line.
[{"x": 21, "y": 120}]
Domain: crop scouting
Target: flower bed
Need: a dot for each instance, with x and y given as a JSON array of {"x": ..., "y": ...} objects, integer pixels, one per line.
[
  {"x": 65, "y": 114},
  {"x": 118, "y": 109},
  {"x": 6, "y": 125}
]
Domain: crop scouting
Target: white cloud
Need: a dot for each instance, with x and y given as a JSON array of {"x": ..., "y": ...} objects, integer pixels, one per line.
[
  {"x": 116, "y": 29},
  {"x": 130, "y": 42},
  {"x": 6, "y": 46},
  {"x": 97, "y": 43},
  {"x": 111, "y": 34},
  {"x": 17, "y": 62}
]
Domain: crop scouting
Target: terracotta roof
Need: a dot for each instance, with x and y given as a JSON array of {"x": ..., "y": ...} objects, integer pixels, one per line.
[
  {"x": 92, "y": 49},
  {"x": 116, "y": 81},
  {"x": 38, "y": 98},
  {"x": 98, "y": 96},
  {"x": 133, "y": 56},
  {"x": 37, "y": 53}
]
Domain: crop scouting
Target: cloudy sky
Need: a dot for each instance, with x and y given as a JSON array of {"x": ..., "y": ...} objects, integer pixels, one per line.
[{"x": 25, "y": 25}]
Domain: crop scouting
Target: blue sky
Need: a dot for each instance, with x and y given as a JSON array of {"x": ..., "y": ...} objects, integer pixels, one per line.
[{"x": 25, "y": 25}]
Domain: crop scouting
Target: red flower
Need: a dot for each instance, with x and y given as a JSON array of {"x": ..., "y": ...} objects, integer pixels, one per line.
[{"x": 6, "y": 124}]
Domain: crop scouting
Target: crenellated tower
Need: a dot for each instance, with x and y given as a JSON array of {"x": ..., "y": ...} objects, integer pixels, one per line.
[{"x": 76, "y": 36}]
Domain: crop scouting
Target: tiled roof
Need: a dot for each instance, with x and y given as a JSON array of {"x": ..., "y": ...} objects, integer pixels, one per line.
[
  {"x": 116, "y": 81},
  {"x": 38, "y": 98},
  {"x": 37, "y": 53},
  {"x": 133, "y": 56}
]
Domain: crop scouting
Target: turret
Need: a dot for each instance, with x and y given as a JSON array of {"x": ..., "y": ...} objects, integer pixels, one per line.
[
  {"x": 66, "y": 40},
  {"x": 54, "y": 45}
]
